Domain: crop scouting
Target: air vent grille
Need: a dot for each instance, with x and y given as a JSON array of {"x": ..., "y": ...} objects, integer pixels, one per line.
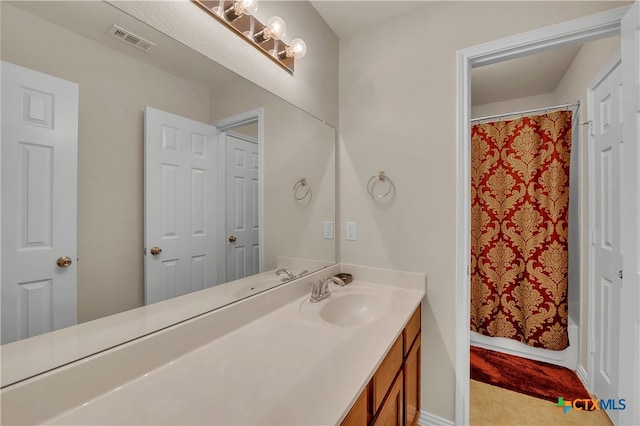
[{"x": 130, "y": 38}]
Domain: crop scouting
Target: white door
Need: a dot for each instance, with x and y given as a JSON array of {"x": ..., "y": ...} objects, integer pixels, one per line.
[
  {"x": 180, "y": 200},
  {"x": 242, "y": 212},
  {"x": 605, "y": 104},
  {"x": 39, "y": 202}
]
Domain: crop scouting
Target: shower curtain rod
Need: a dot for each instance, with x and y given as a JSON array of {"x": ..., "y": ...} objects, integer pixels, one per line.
[{"x": 527, "y": 112}]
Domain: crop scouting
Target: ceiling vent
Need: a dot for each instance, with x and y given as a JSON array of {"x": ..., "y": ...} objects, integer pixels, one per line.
[{"x": 130, "y": 38}]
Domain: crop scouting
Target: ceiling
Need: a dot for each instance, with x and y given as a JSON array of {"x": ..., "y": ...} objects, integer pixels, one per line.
[
  {"x": 339, "y": 14},
  {"x": 518, "y": 78}
]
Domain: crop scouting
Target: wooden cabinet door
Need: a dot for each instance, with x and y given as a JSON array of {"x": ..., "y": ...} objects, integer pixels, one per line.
[
  {"x": 412, "y": 385},
  {"x": 385, "y": 374},
  {"x": 359, "y": 413},
  {"x": 412, "y": 329},
  {"x": 391, "y": 412}
]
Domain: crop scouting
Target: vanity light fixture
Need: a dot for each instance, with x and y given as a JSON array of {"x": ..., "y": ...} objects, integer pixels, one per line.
[{"x": 237, "y": 16}]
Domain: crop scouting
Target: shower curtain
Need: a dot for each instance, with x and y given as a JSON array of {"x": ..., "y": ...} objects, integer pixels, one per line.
[{"x": 519, "y": 229}]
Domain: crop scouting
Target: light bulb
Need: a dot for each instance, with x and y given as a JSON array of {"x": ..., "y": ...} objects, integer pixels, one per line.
[
  {"x": 249, "y": 7},
  {"x": 297, "y": 48},
  {"x": 240, "y": 8},
  {"x": 277, "y": 27}
]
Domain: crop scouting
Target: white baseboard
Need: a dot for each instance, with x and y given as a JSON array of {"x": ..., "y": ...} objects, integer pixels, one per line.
[
  {"x": 428, "y": 419},
  {"x": 583, "y": 376}
]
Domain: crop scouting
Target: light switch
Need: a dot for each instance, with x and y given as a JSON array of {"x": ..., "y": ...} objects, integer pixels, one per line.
[
  {"x": 351, "y": 231},
  {"x": 328, "y": 230}
]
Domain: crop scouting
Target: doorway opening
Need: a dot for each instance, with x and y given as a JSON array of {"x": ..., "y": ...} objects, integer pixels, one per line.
[
  {"x": 241, "y": 160},
  {"x": 577, "y": 31}
]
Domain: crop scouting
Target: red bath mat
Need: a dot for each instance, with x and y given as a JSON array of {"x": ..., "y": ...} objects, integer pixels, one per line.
[{"x": 533, "y": 378}]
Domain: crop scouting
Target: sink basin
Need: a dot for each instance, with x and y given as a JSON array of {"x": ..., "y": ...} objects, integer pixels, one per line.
[
  {"x": 347, "y": 307},
  {"x": 353, "y": 309}
]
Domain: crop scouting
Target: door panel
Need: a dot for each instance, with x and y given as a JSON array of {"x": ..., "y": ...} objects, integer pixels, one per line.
[
  {"x": 39, "y": 202},
  {"x": 180, "y": 205},
  {"x": 607, "y": 150},
  {"x": 242, "y": 213},
  {"x": 605, "y": 331}
]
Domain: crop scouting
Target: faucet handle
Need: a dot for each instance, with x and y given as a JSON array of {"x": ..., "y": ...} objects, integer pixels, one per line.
[{"x": 316, "y": 289}]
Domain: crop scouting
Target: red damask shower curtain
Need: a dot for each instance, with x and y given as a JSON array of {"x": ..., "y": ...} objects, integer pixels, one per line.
[{"x": 519, "y": 229}]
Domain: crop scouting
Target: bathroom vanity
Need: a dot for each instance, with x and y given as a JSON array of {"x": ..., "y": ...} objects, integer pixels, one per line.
[
  {"x": 392, "y": 396},
  {"x": 274, "y": 358}
]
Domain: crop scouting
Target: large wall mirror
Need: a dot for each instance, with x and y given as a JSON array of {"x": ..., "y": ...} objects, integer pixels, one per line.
[{"x": 117, "y": 84}]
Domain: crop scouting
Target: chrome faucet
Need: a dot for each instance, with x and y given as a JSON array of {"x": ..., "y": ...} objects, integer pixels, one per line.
[
  {"x": 290, "y": 275},
  {"x": 320, "y": 289}
]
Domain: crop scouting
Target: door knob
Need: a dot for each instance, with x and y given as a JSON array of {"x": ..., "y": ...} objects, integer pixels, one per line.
[
  {"x": 155, "y": 251},
  {"x": 232, "y": 239},
  {"x": 64, "y": 261}
]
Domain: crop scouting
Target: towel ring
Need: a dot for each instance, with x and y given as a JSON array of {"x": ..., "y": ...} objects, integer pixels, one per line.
[
  {"x": 301, "y": 183},
  {"x": 372, "y": 183}
]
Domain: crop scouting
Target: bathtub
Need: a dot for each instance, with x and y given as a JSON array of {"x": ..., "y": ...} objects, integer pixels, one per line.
[{"x": 567, "y": 358}]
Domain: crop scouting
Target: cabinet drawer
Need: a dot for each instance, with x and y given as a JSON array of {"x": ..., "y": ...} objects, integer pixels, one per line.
[
  {"x": 386, "y": 373},
  {"x": 411, "y": 330}
]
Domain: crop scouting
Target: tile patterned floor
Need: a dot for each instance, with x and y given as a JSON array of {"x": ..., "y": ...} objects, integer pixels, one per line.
[{"x": 491, "y": 405}]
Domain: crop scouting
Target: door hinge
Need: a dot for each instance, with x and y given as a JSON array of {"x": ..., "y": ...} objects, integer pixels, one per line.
[
  {"x": 593, "y": 237},
  {"x": 592, "y": 346},
  {"x": 145, "y": 251},
  {"x": 620, "y": 273}
]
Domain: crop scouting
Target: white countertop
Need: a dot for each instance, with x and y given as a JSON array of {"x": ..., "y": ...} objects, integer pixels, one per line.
[
  {"x": 29, "y": 357},
  {"x": 283, "y": 368}
]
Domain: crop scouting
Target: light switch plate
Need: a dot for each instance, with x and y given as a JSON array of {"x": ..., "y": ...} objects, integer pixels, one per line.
[
  {"x": 351, "y": 231},
  {"x": 328, "y": 230}
]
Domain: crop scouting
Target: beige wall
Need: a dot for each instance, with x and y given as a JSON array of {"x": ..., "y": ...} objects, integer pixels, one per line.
[
  {"x": 114, "y": 89},
  {"x": 296, "y": 145},
  {"x": 512, "y": 105},
  {"x": 397, "y": 113}
]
